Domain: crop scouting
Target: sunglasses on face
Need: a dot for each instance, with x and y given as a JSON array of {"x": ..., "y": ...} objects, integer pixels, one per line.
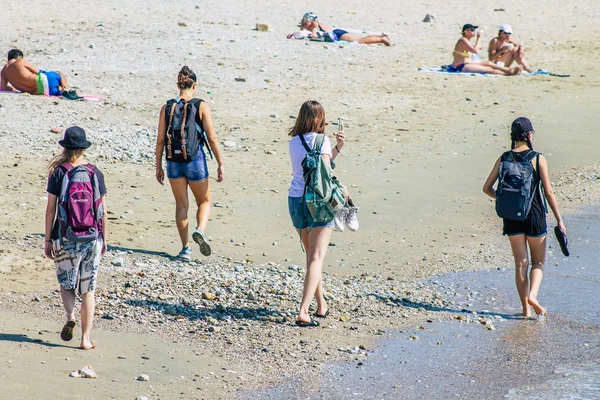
[{"x": 506, "y": 33}]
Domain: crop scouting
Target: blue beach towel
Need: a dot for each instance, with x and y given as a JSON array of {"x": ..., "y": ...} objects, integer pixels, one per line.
[{"x": 444, "y": 69}]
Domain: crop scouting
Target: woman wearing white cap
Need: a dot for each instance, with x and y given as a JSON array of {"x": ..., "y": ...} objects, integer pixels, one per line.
[
  {"x": 502, "y": 51},
  {"x": 462, "y": 56}
]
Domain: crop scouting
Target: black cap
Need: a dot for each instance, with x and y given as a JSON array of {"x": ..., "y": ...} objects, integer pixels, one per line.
[
  {"x": 469, "y": 26},
  {"x": 522, "y": 124},
  {"x": 74, "y": 139}
]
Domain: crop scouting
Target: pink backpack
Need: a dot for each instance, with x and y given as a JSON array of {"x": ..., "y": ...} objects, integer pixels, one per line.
[{"x": 80, "y": 210}]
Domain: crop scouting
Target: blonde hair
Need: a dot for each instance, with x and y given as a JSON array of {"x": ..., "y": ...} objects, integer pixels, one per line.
[{"x": 67, "y": 156}]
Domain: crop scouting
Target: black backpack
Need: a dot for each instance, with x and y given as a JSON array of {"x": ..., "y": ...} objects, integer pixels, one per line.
[
  {"x": 182, "y": 139},
  {"x": 516, "y": 185}
]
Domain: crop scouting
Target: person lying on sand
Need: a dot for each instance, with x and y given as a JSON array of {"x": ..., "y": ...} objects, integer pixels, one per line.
[
  {"x": 309, "y": 22},
  {"x": 18, "y": 74},
  {"x": 463, "y": 51},
  {"x": 503, "y": 51}
]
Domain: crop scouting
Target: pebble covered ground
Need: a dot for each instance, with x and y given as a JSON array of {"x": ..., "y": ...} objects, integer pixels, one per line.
[{"x": 244, "y": 311}]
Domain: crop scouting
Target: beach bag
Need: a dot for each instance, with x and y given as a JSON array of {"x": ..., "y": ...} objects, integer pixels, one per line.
[
  {"x": 182, "y": 137},
  {"x": 324, "y": 195},
  {"x": 80, "y": 211},
  {"x": 516, "y": 185}
]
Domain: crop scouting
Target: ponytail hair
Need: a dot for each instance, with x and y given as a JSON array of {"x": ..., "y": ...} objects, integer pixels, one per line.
[{"x": 186, "y": 78}]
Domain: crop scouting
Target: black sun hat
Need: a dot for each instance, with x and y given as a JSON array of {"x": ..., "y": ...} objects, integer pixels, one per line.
[
  {"x": 469, "y": 26},
  {"x": 75, "y": 139}
]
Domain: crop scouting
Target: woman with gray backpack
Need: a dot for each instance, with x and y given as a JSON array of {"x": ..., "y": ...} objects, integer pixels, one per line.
[
  {"x": 75, "y": 234},
  {"x": 184, "y": 128},
  {"x": 522, "y": 176}
]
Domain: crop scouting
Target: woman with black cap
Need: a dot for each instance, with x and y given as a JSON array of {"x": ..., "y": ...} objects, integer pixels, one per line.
[
  {"x": 463, "y": 51},
  {"x": 75, "y": 234},
  {"x": 532, "y": 230}
]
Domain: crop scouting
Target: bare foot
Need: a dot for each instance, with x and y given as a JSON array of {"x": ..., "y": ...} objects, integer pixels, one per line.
[
  {"x": 303, "y": 318},
  {"x": 322, "y": 312},
  {"x": 87, "y": 345},
  {"x": 516, "y": 70},
  {"x": 539, "y": 310},
  {"x": 386, "y": 40}
]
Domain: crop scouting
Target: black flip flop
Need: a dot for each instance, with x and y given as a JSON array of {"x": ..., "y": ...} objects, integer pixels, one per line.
[
  {"x": 305, "y": 324},
  {"x": 322, "y": 316},
  {"x": 562, "y": 240},
  {"x": 67, "y": 331}
]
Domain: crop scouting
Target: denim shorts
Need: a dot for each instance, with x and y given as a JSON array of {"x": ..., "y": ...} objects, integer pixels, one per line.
[
  {"x": 301, "y": 218},
  {"x": 195, "y": 170}
]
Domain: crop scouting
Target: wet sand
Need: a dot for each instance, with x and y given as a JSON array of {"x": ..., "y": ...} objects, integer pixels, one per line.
[
  {"x": 419, "y": 147},
  {"x": 458, "y": 356}
]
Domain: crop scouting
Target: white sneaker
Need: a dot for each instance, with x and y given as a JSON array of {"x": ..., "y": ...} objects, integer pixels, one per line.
[
  {"x": 199, "y": 238},
  {"x": 340, "y": 219},
  {"x": 185, "y": 254},
  {"x": 351, "y": 218}
]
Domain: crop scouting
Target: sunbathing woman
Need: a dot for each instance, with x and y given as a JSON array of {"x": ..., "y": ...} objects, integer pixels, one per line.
[
  {"x": 503, "y": 51},
  {"x": 310, "y": 23},
  {"x": 462, "y": 56}
]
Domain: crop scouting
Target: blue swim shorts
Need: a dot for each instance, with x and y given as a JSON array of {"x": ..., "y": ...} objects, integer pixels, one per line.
[
  {"x": 48, "y": 83},
  {"x": 301, "y": 218},
  {"x": 195, "y": 170}
]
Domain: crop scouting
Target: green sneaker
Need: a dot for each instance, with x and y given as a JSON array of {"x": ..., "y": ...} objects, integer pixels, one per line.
[
  {"x": 71, "y": 95},
  {"x": 199, "y": 238}
]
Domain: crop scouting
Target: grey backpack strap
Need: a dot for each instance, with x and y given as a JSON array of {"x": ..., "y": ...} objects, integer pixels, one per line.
[{"x": 531, "y": 155}]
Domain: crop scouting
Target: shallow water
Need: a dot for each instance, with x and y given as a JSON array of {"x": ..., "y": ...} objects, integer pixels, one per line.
[{"x": 548, "y": 358}]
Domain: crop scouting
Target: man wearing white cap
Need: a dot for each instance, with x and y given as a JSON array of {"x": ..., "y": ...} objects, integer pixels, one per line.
[{"x": 504, "y": 51}]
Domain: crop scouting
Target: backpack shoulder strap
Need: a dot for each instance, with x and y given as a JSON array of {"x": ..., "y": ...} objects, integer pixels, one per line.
[
  {"x": 304, "y": 144},
  {"x": 197, "y": 102},
  {"x": 531, "y": 155},
  {"x": 90, "y": 168},
  {"x": 319, "y": 142},
  {"x": 66, "y": 166}
]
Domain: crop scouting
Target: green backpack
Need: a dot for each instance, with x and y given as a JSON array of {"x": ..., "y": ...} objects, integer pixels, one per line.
[{"x": 324, "y": 194}]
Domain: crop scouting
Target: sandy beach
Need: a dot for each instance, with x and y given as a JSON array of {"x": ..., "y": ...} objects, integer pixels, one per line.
[{"x": 419, "y": 146}]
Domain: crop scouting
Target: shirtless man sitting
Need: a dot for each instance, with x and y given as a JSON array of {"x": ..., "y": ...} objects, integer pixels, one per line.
[
  {"x": 20, "y": 75},
  {"x": 503, "y": 51}
]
